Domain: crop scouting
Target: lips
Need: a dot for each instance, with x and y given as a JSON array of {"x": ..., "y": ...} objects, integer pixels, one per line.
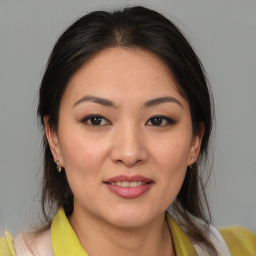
[{"x": 129, "y": 187}]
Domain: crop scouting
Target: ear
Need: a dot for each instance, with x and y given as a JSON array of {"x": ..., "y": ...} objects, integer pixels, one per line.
[
  {"x": 196, "y": 145},
  {"x": 53, "y": 141}
]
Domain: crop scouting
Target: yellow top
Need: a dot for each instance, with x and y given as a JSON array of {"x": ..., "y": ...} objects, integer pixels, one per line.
[
  {"x": 240, "y": 241},
  {"x": 6, "y": 245},
  {"x": 65, "y": 242}
]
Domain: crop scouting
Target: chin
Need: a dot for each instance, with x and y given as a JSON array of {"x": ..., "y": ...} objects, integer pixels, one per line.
[
  {"x": 127, "y": 218},
  {"x": 129, "y": 223}
]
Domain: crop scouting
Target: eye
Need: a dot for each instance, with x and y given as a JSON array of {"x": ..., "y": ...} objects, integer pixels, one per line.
[
  {"x": 95, "y": 120},
  {"x": 160, "y": 121}
]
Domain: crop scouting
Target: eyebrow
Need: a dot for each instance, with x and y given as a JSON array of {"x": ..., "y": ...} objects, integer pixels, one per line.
[
  {"x": 158, "y": 101},
  {"x": 109, "y": 103},
  {"x": 98, "y": 100}
]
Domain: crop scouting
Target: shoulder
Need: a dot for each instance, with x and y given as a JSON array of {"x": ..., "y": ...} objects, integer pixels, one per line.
[
  {"x": 34, "y": 245},
  {"x": 240, "y": 241}
]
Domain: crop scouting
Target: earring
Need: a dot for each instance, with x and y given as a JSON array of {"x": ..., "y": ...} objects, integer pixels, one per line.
[
  {"x": 58, "y": 166},
  {"x": 192, "y": 159}
]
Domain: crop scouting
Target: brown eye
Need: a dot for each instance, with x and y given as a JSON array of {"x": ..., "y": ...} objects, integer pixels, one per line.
[
  {"x": 157, "y": 121},
  {"x": 160, "y": 121},
  {"x": 95, "y": 120}
]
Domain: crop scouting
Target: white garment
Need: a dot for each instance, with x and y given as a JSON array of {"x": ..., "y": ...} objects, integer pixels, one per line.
[
  {"x": 217, "y": 240},
  {"x": 39, "y": 246},
  {"x": 214, "y": 236}
]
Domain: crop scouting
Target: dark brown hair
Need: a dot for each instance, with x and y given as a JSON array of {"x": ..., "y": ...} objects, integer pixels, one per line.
[{"x": 135, "y": 27}]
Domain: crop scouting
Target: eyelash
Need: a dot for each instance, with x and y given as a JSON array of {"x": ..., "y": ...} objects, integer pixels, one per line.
[
  {"x": 90, "y": 117},
  {"x": 168, "y": 121}
]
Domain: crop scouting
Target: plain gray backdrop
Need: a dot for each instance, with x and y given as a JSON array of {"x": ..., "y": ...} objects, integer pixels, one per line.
[{"x": 222, "y": 33}]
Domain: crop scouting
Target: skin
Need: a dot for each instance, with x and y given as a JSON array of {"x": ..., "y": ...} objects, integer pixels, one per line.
[{"x": 126, "y": 142}]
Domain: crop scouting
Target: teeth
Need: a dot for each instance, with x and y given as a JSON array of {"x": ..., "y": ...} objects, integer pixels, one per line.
[
  {"x": 134, "y": 184},
  {"x": 119, "y": 184},
  {"x": 126, "y": 184}
]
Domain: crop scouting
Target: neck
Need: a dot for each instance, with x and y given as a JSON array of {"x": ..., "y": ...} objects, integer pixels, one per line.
[{"x": 152, "y": 239}]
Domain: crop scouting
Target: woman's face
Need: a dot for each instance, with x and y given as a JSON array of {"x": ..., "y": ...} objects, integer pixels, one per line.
[{"x": 124, "y": 138}]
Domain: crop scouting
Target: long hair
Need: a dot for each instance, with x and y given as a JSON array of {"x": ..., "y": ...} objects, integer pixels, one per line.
[{"x": 134, "y": 27}]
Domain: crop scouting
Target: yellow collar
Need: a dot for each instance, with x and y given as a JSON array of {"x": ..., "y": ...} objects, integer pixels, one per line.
[
  {"x": 182, "y": 244},
  {"x": 66, "y": 243}
]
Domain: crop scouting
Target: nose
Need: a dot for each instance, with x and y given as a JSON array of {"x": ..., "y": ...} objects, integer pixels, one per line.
[{"x": 129, "y": 146}]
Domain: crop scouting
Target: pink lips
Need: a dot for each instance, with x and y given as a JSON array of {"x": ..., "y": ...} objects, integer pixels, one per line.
[{"x": 129, "y": 192}]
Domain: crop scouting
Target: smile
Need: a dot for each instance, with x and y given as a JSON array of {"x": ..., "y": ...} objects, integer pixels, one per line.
[
  {"x": 127, "y": 184},
  {"x": 129, "y": 187}
]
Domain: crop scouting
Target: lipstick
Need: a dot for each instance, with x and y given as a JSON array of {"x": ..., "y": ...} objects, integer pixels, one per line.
[{"x": 129, "y": 187}]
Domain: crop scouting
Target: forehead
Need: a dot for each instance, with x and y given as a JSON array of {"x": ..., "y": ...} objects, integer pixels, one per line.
[{"x": 123, "y": 73}]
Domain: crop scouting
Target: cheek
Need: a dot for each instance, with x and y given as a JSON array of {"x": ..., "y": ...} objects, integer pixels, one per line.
[
  {"x": 172, "y": 153},
  {"x": 75, "y": 153},
  {"x": 82, "y": 162},
  {"x": 80, "y": 150},
  {"x": 171, "y": 162},
  {"x": 82, "y": 156}
]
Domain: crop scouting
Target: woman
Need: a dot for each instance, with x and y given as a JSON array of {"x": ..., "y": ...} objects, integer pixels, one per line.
[{"x": 127, "y": 115}]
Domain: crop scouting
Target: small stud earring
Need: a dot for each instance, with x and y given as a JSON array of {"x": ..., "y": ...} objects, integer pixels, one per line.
[
  {"x": 192, "y": 159},
  {"x": 58, "y": 166}
]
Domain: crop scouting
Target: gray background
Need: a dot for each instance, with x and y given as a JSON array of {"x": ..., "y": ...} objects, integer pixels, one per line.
[{"x": 223, "y": 34}]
